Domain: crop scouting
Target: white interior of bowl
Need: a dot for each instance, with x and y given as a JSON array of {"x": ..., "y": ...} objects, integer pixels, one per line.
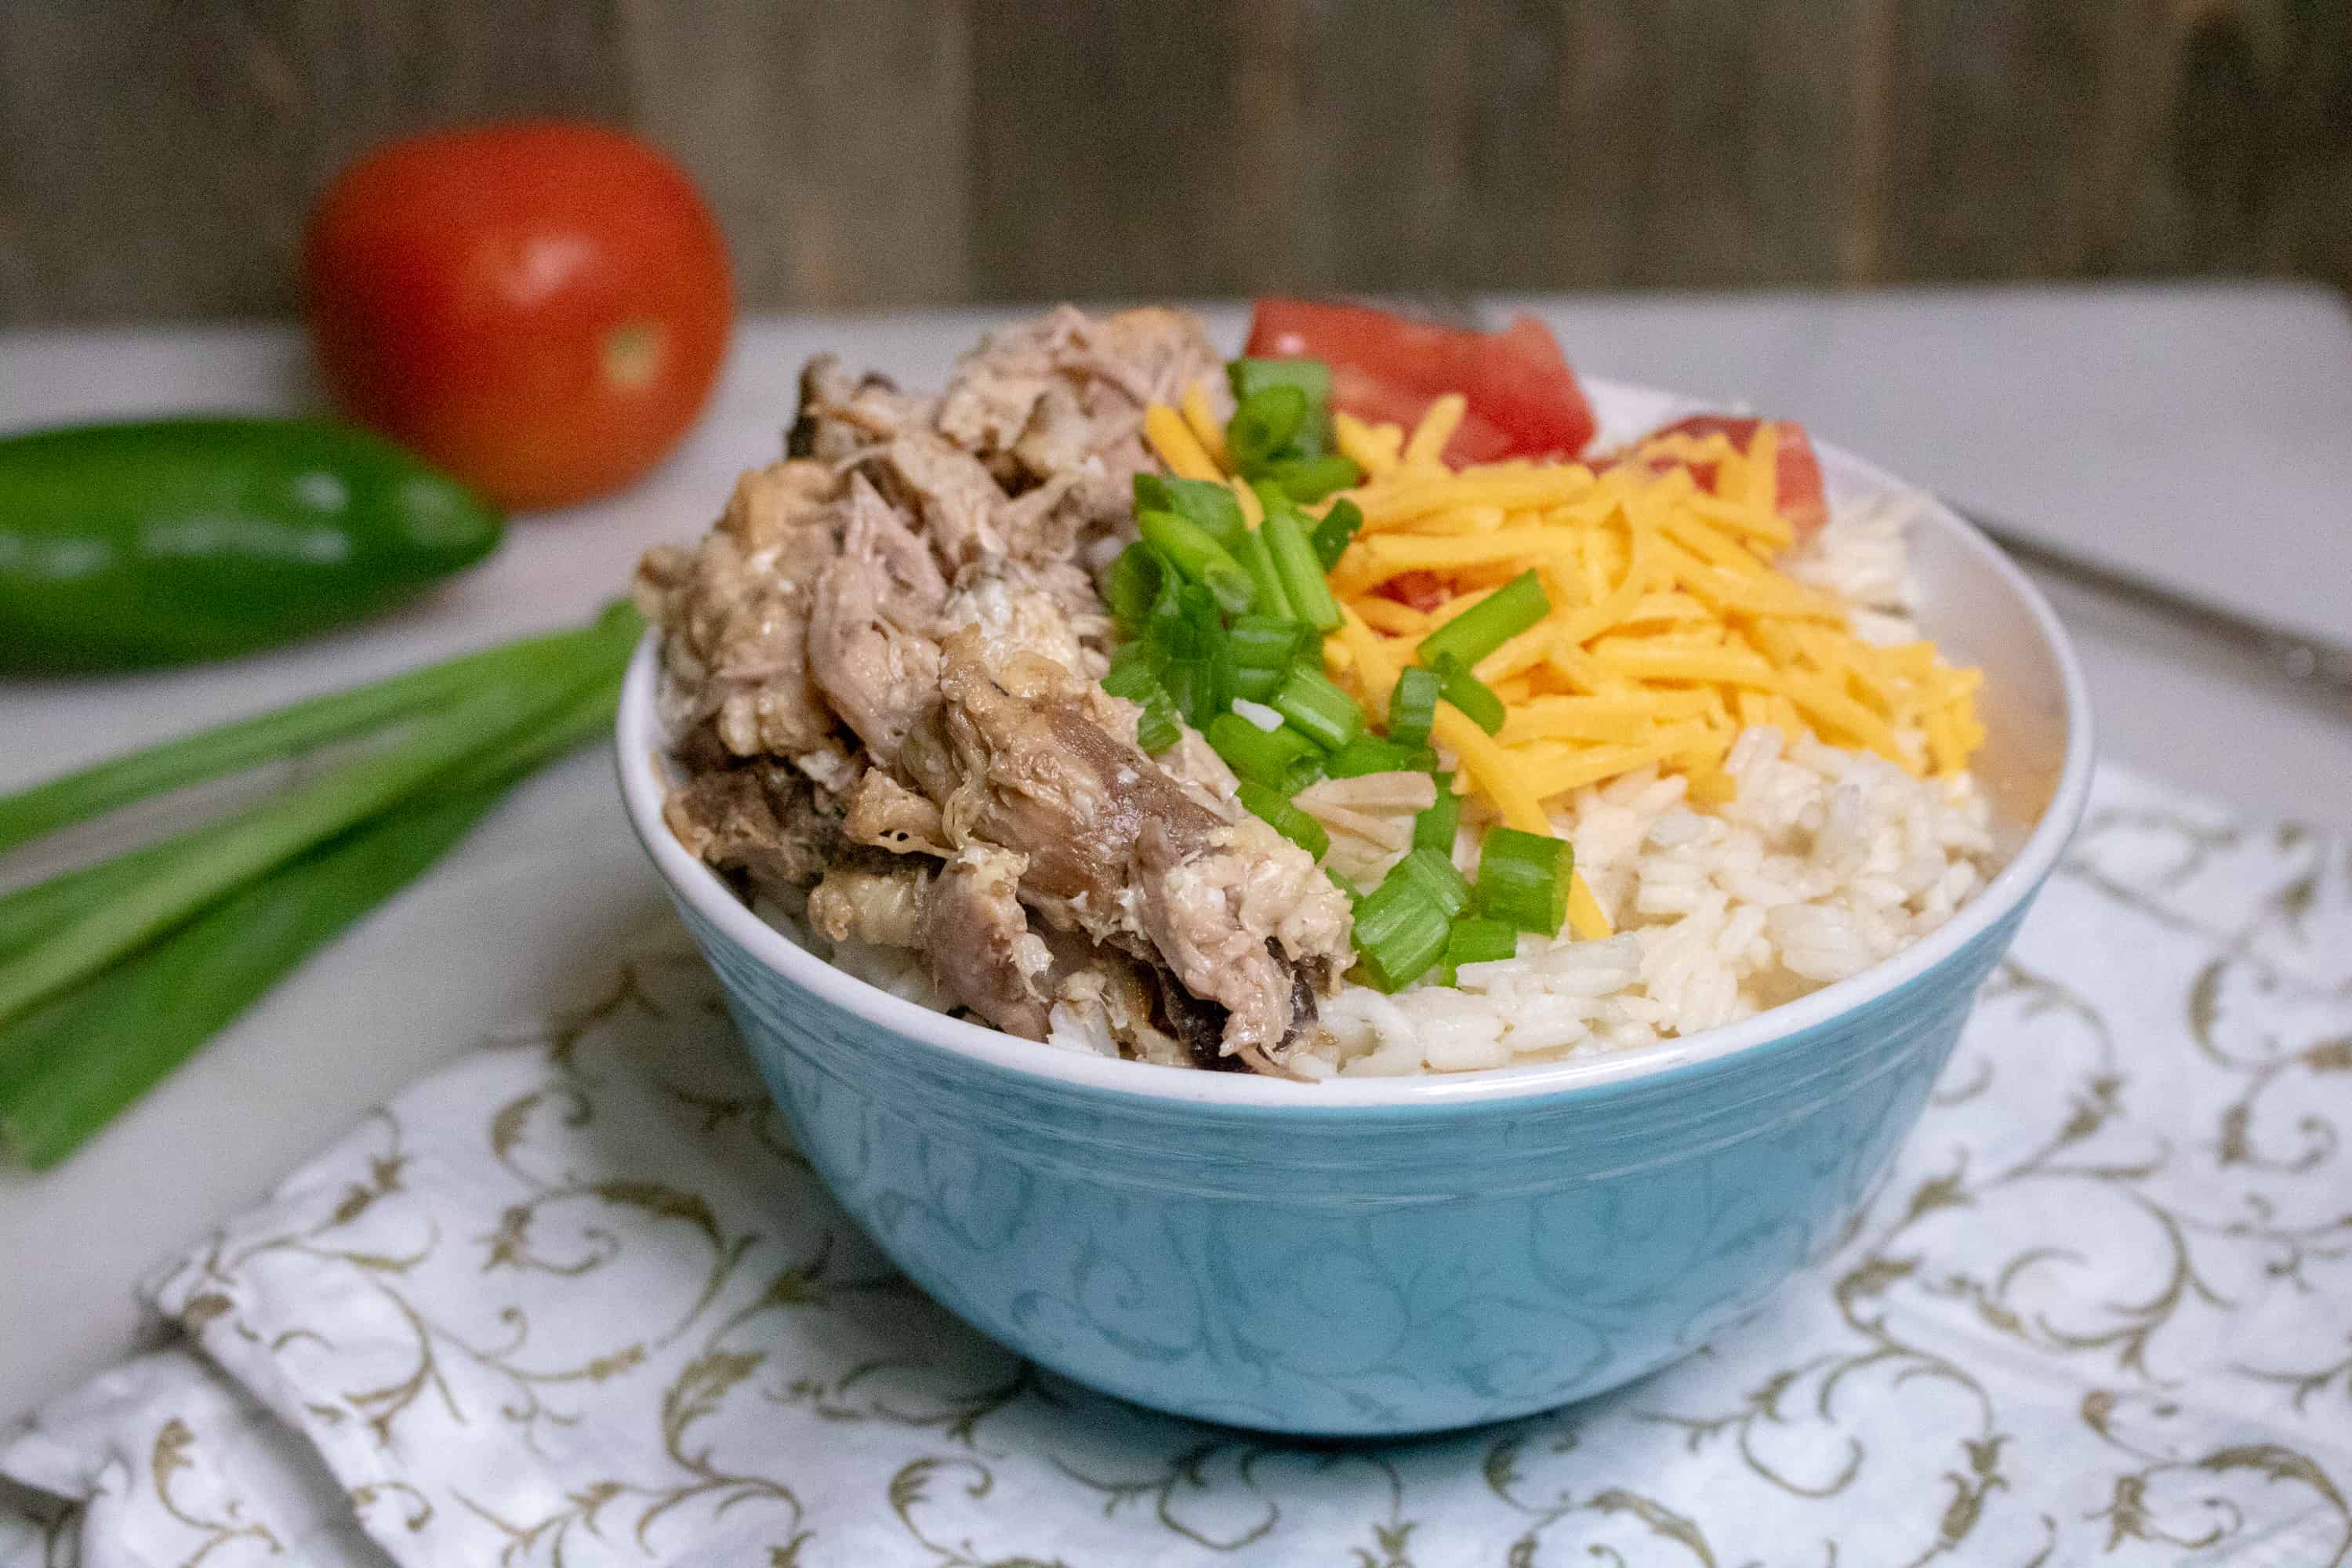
[{"x": 2036, "y": 766}]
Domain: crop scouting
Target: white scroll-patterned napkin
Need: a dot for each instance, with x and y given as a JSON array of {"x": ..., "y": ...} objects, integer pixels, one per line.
[{"x": 577, "y": 1301}]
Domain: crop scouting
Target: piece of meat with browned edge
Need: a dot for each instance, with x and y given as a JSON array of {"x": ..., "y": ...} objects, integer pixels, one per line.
[
  {"x": 1108, "y": 997},
  {"x": 760, "y": 820},
  {"x": 1197, "y": 1027},
  {"x": 1066, "y": 391},
  {"x": 885, "y": 814},
  {"x": 841, "y": 414},
  {"x": 734, "y": 613},
  {"x": 970, "y": 520},
  {"x": 965, "y": 916},
  {"x": 868, "y": 642},
  {"x": 1122, "y": 852},
  {"x": 1021, "y": 608},
  {"x": 1242, "y": 918},
  {"x": 953, "y": 499},
  {"x": 880, "y": 900},
  {"x": 982, "y": 952}
]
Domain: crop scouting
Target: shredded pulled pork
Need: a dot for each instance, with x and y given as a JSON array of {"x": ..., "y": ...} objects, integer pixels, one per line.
[{"x": 879, "y": 672}]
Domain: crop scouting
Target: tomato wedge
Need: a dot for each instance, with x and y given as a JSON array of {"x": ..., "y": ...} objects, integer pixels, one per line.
[
  {"x": 1798, "y": 494},
  {"x": 1524, "y": 400}
]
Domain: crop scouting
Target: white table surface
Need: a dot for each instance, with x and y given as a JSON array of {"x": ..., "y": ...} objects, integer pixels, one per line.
[{"x": 2201, "y": 433}]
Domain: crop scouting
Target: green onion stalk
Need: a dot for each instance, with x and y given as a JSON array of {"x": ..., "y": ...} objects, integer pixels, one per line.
[
  {"x": 1281, "y": 760},
  {"x": 1488, "y": 623},
  {"x": 1523, "y": 879},
  {"x": 1401, "y": 931},
  {"x": 93, "y": 790},
  {"x": 112, "y": 975}
]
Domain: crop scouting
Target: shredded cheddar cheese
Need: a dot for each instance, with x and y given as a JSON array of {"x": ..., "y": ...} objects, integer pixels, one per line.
[
  {"x": 1427, "y": 447},
  {"x": 1671, "y": 628},
  {"x": 1173, "y": 439},
  {"x": 1376, "y": 448},
  {"x": 1201, "y": 419}
]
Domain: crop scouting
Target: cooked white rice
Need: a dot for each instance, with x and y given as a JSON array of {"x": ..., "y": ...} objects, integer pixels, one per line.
[{"x": 1827, "y": 862}]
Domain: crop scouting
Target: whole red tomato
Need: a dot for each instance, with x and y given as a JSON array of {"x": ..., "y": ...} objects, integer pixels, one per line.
[{"x": 539, "y": 309}]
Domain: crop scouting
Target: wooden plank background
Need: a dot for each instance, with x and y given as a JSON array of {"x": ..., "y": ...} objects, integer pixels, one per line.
[{"x": 156, "y": 158}]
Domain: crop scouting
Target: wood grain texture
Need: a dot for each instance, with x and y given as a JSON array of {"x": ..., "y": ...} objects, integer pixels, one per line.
[
  {"x": 159, "y": 158},
  {"x": 830, "y": 137},
  {"x": 156, "y": 159},
  {"x": 1100, "y": 148}
]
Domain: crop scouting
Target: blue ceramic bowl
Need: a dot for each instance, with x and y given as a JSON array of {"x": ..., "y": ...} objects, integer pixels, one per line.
[{"x": 1377, "y": 1256}]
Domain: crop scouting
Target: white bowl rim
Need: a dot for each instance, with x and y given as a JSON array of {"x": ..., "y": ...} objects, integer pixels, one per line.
[{"x": 642, "y": 745}]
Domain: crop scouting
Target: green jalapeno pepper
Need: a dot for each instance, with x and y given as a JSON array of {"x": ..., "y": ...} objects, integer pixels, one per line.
[{"x": 171, "y": 542}]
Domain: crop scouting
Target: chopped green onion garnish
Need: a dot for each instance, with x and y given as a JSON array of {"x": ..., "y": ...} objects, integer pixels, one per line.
[
  {"x": 1134, "y": 669},
  {"x": 1282, "y": 760},
  {"x": 1294, "y": 562},
  {"x": 1168, "y": 621},
  {"x": 1437, "y": 827},
  {"x": 1192, "y": 686},
  {"x": 1345, "y": 885},
  {"x": 1466, "y": 691},
  {"x": 1265, "y": 425},
  {"x": 1371, "y": 754},
  {"x": 1399, "y": 931},
  {"x": 1258, "y": 562},
  {"x": 1186, "y": 620},
  {"x": 1312, "y": 377},
  {"x": 1312, "y": 479},
  {"x": 1136, "y": 682},
  {"x": 1160, "y": 726},
  {"x": 1192, "y": 551},
  {"x": 1180, "y": 616},
  {"x": 1136, "y": 578},
  {"x": 1477, "y": 939},
  {"x": 1318, "y": 709},
  {"x": 1221, "y": 668},
  {"x": 1336, "y": 528},
  {"x": 1488, "y": 623},
  {"x": 1412, "y": 705},
  {"x": 1435, "y": 872},
  {"x": 1201, "y": 611},
  {"x": 1523, "y": 877},
  {"x": 1285, "y": 817},
  {"x": 1262, "y": 642},
  {"x": 1206, "y": 504},
  {"x": 1258, "y": 683},
  {"x": 1135, "y": 674}
]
